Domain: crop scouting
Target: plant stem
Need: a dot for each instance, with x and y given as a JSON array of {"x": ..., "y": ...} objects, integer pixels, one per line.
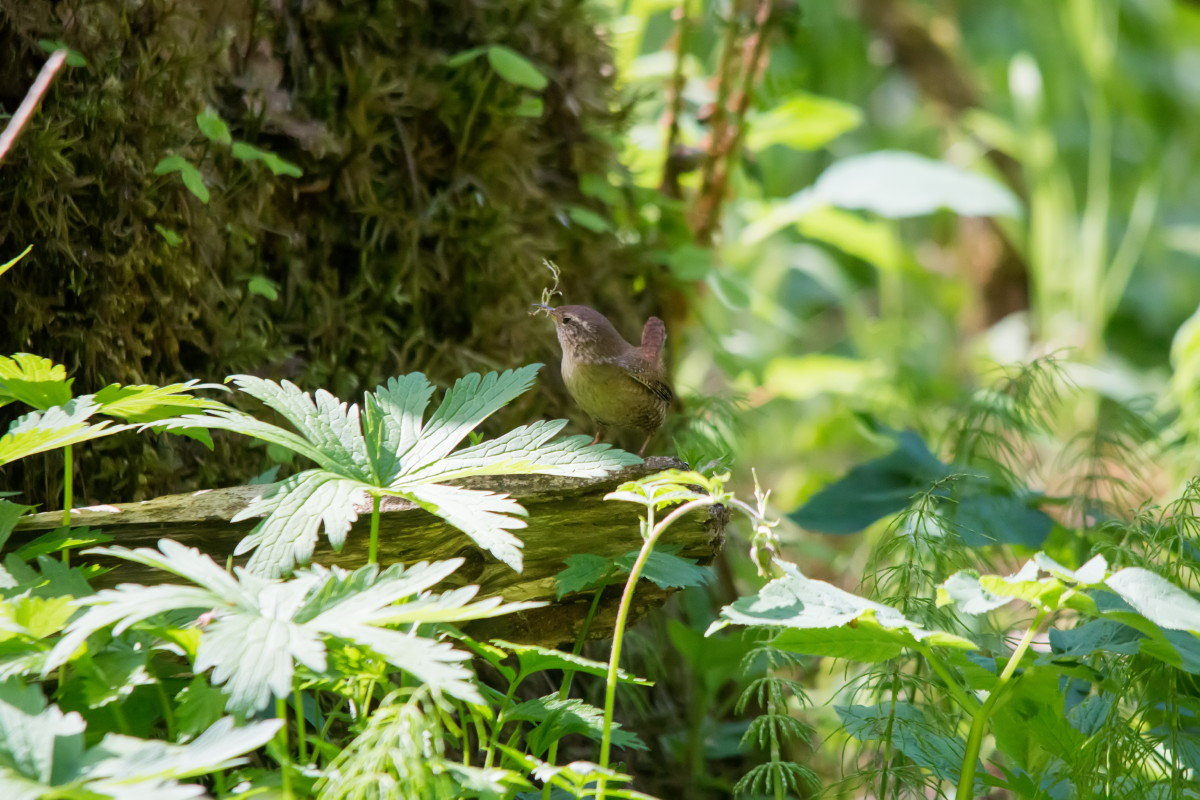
[
  {"x": 569, "y": 676},
  {"x": 285, "y": 760},
  {"x": 301, "y": 740},
  {"x": 373, "y": 543},
  {"x": 498, "y": 726},
  {"x": 966, "y": 783},
  {"x": 614, "y": 658},
  {"x": 68, "y": 495},
  {"x": 969, "y": 703}
]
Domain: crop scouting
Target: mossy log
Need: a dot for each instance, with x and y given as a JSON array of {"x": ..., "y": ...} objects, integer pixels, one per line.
[{"x": 566, "y": 516}]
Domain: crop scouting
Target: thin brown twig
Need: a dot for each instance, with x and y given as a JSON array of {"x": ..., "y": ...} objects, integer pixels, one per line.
[
  {"x": 32, "y": 98},
  {"x": 670, "y": 178},
  {"x": 754, "y": 59}
]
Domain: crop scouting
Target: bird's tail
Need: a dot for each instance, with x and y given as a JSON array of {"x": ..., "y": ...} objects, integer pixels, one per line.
[{"x": 654, "y": 335}]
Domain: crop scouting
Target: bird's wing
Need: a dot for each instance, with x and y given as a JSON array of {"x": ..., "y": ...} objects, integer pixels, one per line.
[
  {"x": 654, "y": 335},
  {"x": 646, "y": 370}
]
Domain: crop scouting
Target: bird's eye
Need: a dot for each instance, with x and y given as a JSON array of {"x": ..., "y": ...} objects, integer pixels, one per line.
[{"x": 568, "y": 320}]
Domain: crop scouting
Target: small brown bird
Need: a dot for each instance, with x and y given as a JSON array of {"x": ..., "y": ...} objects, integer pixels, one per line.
[{"x": 617, "y": 384}]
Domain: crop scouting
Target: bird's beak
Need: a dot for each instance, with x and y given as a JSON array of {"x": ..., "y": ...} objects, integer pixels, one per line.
[{"x": 542, "y": 308}]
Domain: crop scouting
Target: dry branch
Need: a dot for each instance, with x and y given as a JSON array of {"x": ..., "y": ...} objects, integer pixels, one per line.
[{"x": 566, "y": 516}]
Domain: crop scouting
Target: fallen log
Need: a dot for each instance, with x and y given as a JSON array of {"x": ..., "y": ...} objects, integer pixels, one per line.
[{"x": 566, "y": 516}]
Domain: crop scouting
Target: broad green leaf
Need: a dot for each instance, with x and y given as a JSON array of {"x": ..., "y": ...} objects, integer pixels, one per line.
[
  {"x": 10, "y": 512},
  {"x": 213, "y": 127},
  {"x": 898, "y": 185},
  {"x": 908, "y": 729},
  {"x": 803, "y": 122},
  {"x": 866, "y": 642},
  {"x": 7, "y": 265},
  {"x": 294, "y": 512},
  {"x": 1157, "y": 599},
  {"x": 56, "y": 427},
  {"x": 198, "y": 706},
  {"x": 584, "y": 572},
  {"x": 796, "y": 601},
  {"x": 872, "y": 490},
  {"x": 34, "y": 381},
  {"x": 668, "y": 571},
  {"x": 515, "y": 68},
  {"x": 59, "y": 539},
  {"x": 277, "y": 165},
  {"x": 964, "y": 591}
]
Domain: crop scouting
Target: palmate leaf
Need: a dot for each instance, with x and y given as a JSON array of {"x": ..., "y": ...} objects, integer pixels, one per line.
[
  {"x": 148, "y": 403},
  {"x": 39, "y": 431},
  {"x": 34, "y": 381},
  {"x": 390, "y": 449},
  {"x": 261, "y": 629},
  {"x": 296, "y": 509},
  {"x": 43, "y": 754}
]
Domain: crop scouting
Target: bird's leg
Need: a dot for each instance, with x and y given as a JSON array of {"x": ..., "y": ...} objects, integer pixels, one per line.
[
  {"x": 599, "y": 433},
  {"x": 645, "y": 444}
]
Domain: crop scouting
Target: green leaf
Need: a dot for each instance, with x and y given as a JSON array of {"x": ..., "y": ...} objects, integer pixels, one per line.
[
  {"x": 146, "y": 403},
  {"x": 557, "y": 718},
  {"x": 530, "y": 106},
  {"x": 584, "y": 572},
  {"x": 7, "y": 265},
  {"x": 197, "y": 706},
  {"x": 294, "y": 512},
  {"x": 907, "y": 729},
  {"x": 586, "y": 218},
  {"x": 1157, "y": 599},
  {"x": 277, "y": 165},
  {"x": 10, "y": 512},
  {"x": 290, "y": 622},
  {"x": 213, "y": 127},
  {"x": 74, "y": 57},
  {"x": 172, "y": 238},
  {"x": 515, "y": 68},
  {"x": 56, "y": 427},
  {"x": 465, "y": 56},
  {"x": 796, "y": 601},
  {"x": 873, "y": 490},
  {"x": 486, "y": 517},
  {"x": 34, "y": 381},
  {"x": 898, "y": 185},
  {"x": 60, "y": 539},
  {"x": 668, "y": 571},
  {"x": 263, "y": 287},
  {"x": 535, "y": 658},
  {"x": 803, "y": 122},
  {"x": 188, "y": 173}
]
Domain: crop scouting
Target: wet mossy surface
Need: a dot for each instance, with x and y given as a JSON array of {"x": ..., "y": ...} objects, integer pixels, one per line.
[{"x": 413, "y": 240}]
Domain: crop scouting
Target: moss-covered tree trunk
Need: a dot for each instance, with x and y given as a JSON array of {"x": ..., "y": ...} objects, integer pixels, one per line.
[{"x": 432, "y": 189}]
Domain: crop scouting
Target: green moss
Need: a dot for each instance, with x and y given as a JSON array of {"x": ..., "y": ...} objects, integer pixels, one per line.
[{"x": 413, "y": 241}]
